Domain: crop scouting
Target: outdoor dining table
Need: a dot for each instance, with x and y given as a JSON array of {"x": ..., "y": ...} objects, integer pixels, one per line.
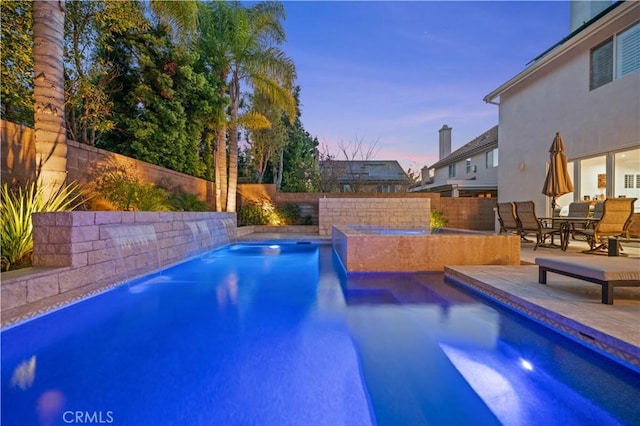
[{"x": 567, "y": 223}]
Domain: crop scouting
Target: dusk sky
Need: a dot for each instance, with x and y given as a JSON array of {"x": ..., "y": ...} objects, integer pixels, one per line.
[{"x": 395, "y": 72}]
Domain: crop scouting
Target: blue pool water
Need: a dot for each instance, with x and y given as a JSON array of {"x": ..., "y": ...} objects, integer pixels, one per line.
[{"x": 276, "y": 334}]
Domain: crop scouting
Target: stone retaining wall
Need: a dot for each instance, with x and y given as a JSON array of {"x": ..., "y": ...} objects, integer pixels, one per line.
[
  {"x": 95, "y": 250},
  {"x": 18, "y": 164},
  {"x": 395, "y": 212}
]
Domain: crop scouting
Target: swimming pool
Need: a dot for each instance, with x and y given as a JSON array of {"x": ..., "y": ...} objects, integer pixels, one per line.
[{"x": 277, "y": 334}]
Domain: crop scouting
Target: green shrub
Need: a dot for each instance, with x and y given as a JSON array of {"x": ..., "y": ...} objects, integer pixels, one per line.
[
  {"x": 289, "y": 214},
  {"x": 255, "y": 214},
  {"x": 150, "y": 198},
  {"x": 17, "y": 206},
  {"x": 185, "y": 202},
  {"x": 122, "y": 188},
  {"x": 264, "y": 213},
  {"x": 438, "y": 220}
]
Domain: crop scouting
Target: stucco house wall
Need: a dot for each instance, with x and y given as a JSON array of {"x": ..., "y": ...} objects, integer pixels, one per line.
[{"x": 555, "y": 97}]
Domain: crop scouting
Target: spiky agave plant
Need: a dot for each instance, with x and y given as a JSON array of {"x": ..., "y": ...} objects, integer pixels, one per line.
[{"x": 16, "y": 208}]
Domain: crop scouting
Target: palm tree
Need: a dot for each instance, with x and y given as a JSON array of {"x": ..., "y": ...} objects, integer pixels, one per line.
[
  {"x": 256, "y": 60},
  {"x": 48, "y": 94},
  {"x": 182, "y": 16},
  {"x": 245, "y": 43}
]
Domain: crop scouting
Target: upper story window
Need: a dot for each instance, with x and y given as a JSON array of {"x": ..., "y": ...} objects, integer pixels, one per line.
[
  {"x": 492, "y": 158},
  {"x": 452, "y": 170},
  {"x": 625, "y": 48},
  {"x": 628, "y": 51},
  {"x": 467, "y": 164},
  {"x": 601, "y": 64}
]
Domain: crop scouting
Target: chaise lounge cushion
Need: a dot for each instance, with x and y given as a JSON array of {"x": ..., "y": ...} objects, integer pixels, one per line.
[{"x": 603, "y": 268}]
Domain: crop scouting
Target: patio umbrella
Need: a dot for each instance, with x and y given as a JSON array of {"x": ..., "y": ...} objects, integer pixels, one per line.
[{"x": 558, "y": 181}]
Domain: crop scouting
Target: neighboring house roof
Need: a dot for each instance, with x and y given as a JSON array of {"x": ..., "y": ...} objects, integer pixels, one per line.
[
  {"x": 597, "y": 22},
  {"x": 483, "y": 143},
  {"x": 366, "y": 171}
]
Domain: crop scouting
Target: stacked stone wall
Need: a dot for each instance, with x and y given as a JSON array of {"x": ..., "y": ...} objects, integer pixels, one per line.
[
  {"x": 76, "y": 253},
  {"x": 393, "y": 212}
]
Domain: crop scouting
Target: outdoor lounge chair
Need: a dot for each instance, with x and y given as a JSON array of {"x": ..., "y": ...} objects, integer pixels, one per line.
[
  {"x": 615, "y": 222},
  {"x": 609, "y": 272},
  {"x": 508, "y": 220},
  {"x": 530, "y": 224}
]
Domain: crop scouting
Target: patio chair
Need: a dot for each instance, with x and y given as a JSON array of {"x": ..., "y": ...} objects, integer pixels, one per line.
[
  {"x": 530, "y": 224},
  {"x": 508, "y": 220},
  {"x": 598, "y": 209},
  {"x": 615, "y": 222},
  {"x": 578, "y": 210}
]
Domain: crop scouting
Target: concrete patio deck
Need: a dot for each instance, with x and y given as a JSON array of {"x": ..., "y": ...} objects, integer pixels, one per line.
[{"x": 570, "y": 305}]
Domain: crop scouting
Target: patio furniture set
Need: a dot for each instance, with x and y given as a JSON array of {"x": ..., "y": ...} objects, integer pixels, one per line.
[
  {"x": 601, "y": 229},
  {"x": 610, "y": 219}
]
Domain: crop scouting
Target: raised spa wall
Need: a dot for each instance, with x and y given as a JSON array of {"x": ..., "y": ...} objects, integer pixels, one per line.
[
  {"x": 394, "y": 212},
  {"x": 77, "y": 254},
  {"x": 362, "y": 251}
]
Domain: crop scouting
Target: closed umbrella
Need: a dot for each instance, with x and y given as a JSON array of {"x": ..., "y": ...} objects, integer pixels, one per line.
[{"x": 558, "y": 181}]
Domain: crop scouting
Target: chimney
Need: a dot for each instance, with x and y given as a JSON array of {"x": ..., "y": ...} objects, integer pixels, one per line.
[
  {"x": 445, "y": 141},
  {"x": 581, "y": 11}
]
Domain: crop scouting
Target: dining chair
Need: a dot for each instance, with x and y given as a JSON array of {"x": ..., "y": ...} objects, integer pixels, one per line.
[
  {"x": 530, "y": 224},
  {"x": 615, "y": 222}
]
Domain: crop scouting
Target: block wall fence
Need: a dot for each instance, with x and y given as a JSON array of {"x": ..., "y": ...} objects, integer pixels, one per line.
[
  {"x": 17, "y": 153},
  {"x": 80, "y": 253},
  {"x": 394, "y": 212},
  {"x": 462, "y": 213},
  {"x": 18, "y": 163}
]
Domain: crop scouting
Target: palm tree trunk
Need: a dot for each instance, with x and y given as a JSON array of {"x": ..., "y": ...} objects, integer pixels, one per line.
[
  {"x": 280, "y": 170},
  {"x": 234, "y": 91},
  {"x": 221, "y": 171},
  {"x": 48, "y": 94}
]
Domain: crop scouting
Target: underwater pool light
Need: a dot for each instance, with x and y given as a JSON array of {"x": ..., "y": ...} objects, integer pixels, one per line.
[{"x": 526, "y": 364}]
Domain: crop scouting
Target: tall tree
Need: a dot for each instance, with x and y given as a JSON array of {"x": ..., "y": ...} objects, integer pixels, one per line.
[
  {"x": 181, "y": 16},
  {"x": 243, "y": 43},
  {"x": 217, "y": 30},
  {"x": 257, "y": 60},
  {"x": 159, "y": 111},
  {"x": 48, "y": 93},
  {"x": 89, "y": 26},
  {"x": 266, "y": 143},
  {"x": 300, "y": 156},
  {"x": 16, "y": 42}
]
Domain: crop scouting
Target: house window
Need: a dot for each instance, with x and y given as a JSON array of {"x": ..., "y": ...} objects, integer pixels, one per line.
[
  {"x": 601, "y": 65},
  {"x": 625, "y": 48},
  {"x": 626, "y": 174},
  {"x": 492, "y": 158},
  {"x": 593, "y": 178},
  {"x": 628, "y": 51},
  {"x": 452, "y": 170},
  {"x": 629, "y": 181},
  {"x": 467, "y": 164}
]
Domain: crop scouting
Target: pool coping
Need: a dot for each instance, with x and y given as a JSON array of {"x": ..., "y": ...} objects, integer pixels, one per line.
[{"x": 614, "y": 347}]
